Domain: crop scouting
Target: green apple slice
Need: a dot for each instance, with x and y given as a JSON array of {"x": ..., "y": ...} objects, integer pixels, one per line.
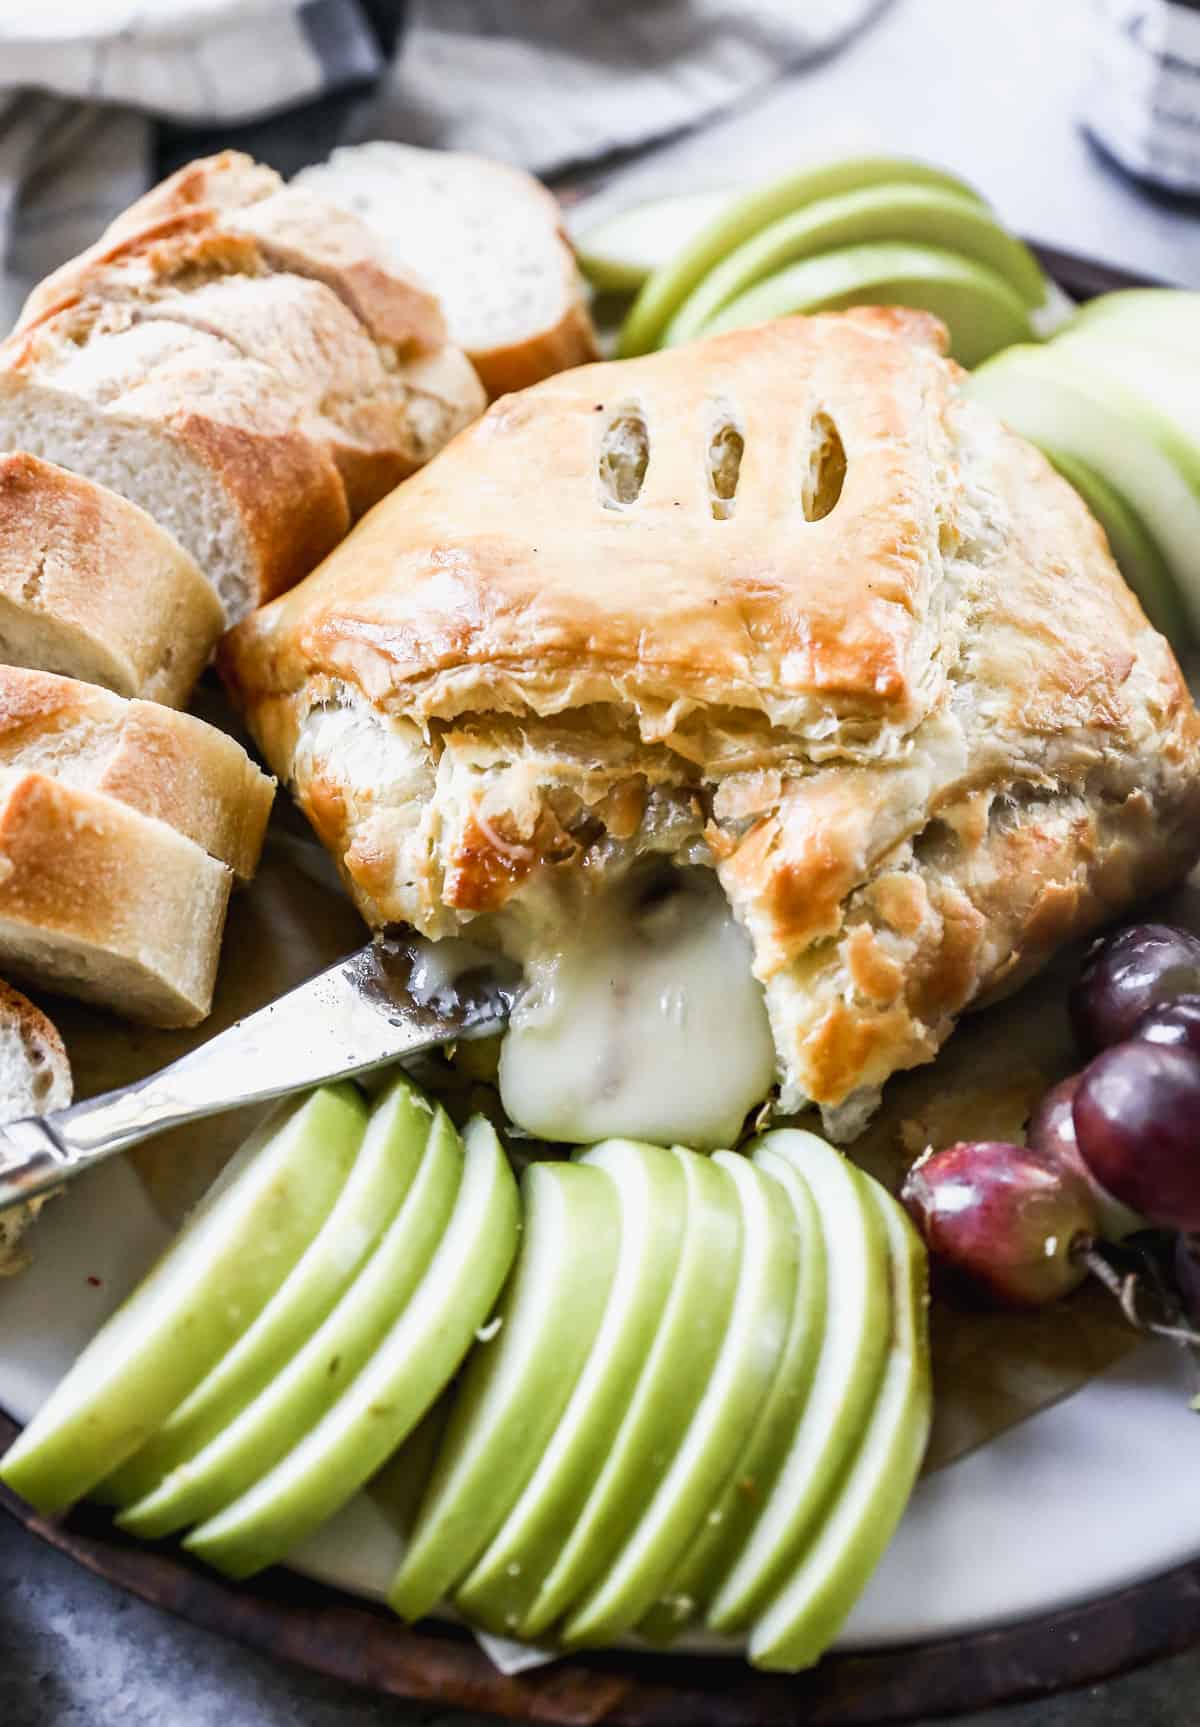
[
  {"x": 1151, "y": 317},
  {"x": 921, "y": 215},
  {"x": 669, "y": 1388},
  {"x": 651, "y": 1193},
  {"x": 209, "y": 1285},
  {"x": 516, "y": 1385},
  {"x": 978, "y": 307},
  {"x": 1169, "y": 382},
  {"x": 714, "y": 1438},
  {"x": 1165, "y": 384},
  {"x": 731, "y": 1519},
  {"x": 1131, "y": 543},
  {"x": 823, "y": 1585},
  {"x": 318, "y": 1374},
  {"x": 398, "y": 1386},
  {"x": 848, "y": 1373},
  {"x": 618, "y": 253},
  {"x": 399, "y": 1485},
  {"x": 1053, "y": 397},
  {"x": 388, "y": 1159},
  {"x": 665, "y": 291}
]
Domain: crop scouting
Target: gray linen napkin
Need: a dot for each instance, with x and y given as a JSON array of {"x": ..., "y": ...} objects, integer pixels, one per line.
[
  {"x": 554, "y": 83},
  {"x": 546, "y": 83},
  {"x": 82, "y": 80}
]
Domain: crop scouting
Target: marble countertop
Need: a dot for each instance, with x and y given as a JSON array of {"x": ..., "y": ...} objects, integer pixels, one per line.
[{"x": 991, "y": 89}]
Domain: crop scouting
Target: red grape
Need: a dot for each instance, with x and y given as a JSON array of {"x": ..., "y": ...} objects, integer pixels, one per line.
[
  {"x": 1137, "y": 1122},
  {"x": 1007, "y": 1220},
  {"x": 1052, "y": 1125},
  {"x": 1172, "y": 1022},
  {"x": 1052, "y": 1131},
  {"x": 1128, "y": 973}
]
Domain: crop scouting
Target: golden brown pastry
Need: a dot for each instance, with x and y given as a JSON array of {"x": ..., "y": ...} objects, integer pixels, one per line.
[{"x": 785, "y": 604}]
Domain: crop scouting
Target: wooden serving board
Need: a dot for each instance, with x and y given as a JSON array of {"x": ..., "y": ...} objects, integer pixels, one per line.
[
  {"x": 286, "y": 1616},
  {"x": 344, "y": 1637}
]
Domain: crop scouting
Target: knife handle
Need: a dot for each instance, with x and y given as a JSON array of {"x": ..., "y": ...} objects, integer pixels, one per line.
[{"x": 32, "y": 1160}]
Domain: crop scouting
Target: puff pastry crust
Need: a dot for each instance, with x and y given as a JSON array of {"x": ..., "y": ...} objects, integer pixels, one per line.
[{"x": 786, "y": 603}]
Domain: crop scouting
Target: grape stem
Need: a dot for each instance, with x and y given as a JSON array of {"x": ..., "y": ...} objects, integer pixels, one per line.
[{"x": 1126, "y": 1290}]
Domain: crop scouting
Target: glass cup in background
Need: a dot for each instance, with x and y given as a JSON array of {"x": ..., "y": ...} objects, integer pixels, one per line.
[{"x": 1142, "y": 94}]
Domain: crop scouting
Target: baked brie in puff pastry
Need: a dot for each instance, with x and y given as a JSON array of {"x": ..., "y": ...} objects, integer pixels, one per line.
[{"x": 782, "y": 620}]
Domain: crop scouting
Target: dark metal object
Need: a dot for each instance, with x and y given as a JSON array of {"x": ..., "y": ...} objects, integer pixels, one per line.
[{"x": 1084, "y": 278}]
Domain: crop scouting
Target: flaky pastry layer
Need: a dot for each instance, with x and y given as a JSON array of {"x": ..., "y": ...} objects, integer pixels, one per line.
[{"x": 785, "y": 603}]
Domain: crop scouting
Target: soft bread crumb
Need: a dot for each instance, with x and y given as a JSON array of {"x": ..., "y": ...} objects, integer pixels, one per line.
[
  {"x": 35, "y": 1078},
  {"x": 486, "y": 237}
]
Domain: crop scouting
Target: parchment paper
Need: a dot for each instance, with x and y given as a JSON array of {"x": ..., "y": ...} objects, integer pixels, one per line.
[{"x": 991, "y": 1370}]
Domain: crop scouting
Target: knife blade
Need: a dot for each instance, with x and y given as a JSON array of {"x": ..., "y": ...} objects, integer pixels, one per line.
[{"x": 392, "y": 999}]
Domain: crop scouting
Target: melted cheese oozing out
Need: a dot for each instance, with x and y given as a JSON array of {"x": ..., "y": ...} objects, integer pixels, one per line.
[
  {"x": 438, "y": 967},
  {"x": 643, "y": 1021}
]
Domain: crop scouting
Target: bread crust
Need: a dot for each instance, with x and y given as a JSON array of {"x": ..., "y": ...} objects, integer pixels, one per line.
[
  {"x": 167, "y": 764},
  {"x": 572, "y": 342},
  {"x": 91, "y": 587},
  {"x": 923, "y": 738},
  {"x": 505, "y": 368},
  {"x": 287, "y": 491},
  {"x": 101, "y": 902}
]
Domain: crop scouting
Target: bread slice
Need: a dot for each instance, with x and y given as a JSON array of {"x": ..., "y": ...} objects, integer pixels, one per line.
[
  {"x": 35, "y": 1077},
  {"x": 102, "y": 902},
  {"x": 380, "y": 415},
  {"x": 166, "y": 764},
  {"x": 122, "y": 825},
  {"x": 204, "y": 440},
  {"x": 376, "y": 385},
  {"x": 487, "y": 238},
  {"x": 282, "y": 229},
  {"x": 291, "y": 378},
  {"x": 92, "y": 588}
]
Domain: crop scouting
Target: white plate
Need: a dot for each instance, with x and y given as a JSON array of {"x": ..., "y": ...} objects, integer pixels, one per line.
[{"x": 1082, "y": 1499}]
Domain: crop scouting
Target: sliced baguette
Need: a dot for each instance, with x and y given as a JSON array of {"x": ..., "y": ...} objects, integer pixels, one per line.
[
  {"x": 282, "y": 229},
  {"x": 379, "y": 388},
  {"x": 207, "y": 442},
  {"x": 164, "y": 763},
  {"x": 92, "y": 588},
  {"x": 293, "y": 377},
  {"x": 379, "y": 413},
  {"x": 35, "y": 1077},
  {"x": 487, "y": 238},
  {"x": 104, "y": 903}
]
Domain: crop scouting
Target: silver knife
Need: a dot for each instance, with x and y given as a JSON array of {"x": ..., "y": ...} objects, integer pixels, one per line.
[{"x": 386, "y": 1002}]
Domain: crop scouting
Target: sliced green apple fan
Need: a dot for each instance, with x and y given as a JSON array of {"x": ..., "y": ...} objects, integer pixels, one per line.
[
  {"x": 670, "y": 1326},
  {"x": 863, "y": 230}
]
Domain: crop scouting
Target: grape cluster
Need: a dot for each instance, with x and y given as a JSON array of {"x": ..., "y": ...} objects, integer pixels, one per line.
[{"x": 1112, "y": 1150}]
